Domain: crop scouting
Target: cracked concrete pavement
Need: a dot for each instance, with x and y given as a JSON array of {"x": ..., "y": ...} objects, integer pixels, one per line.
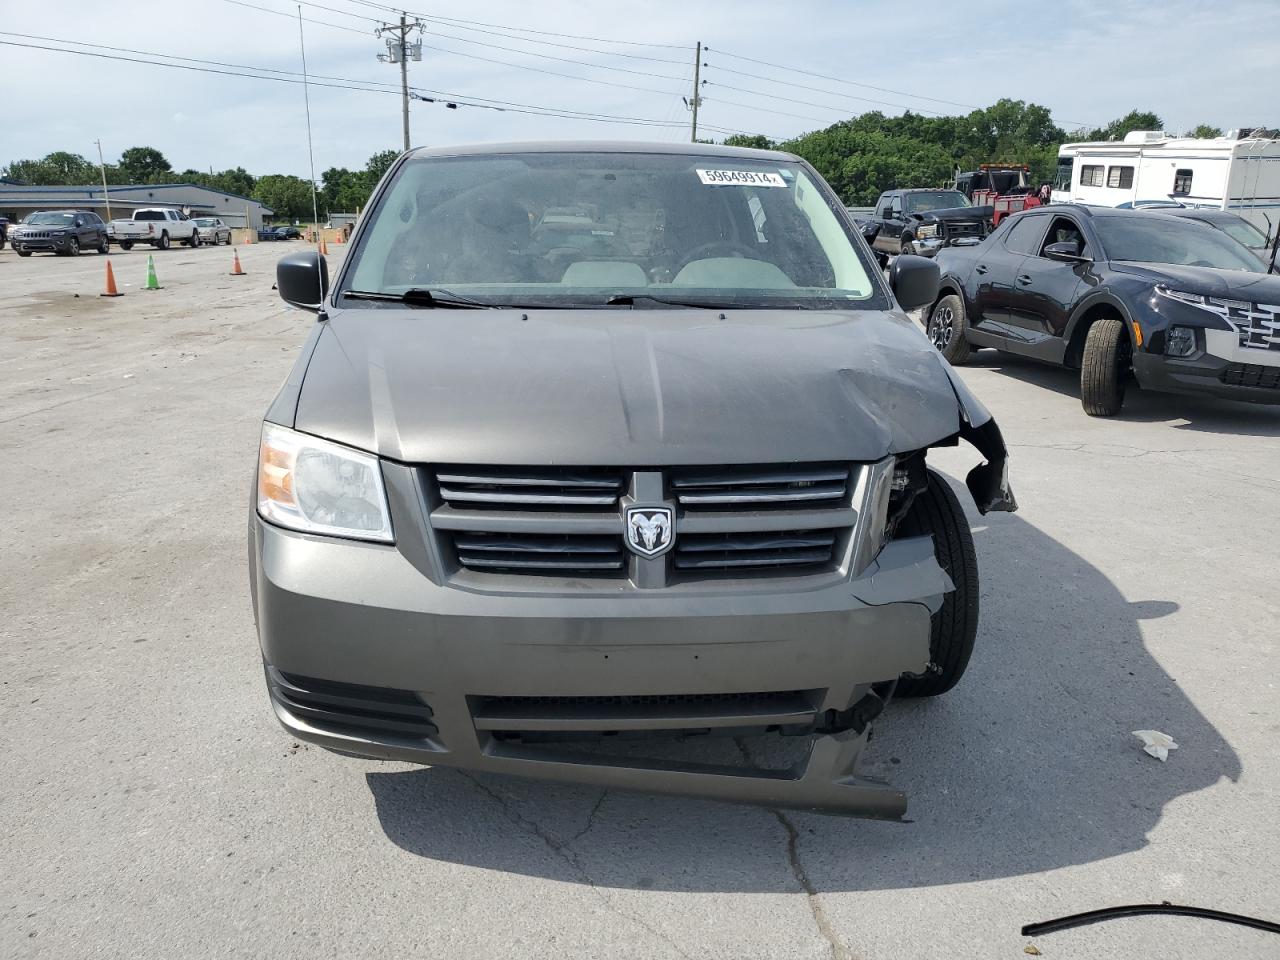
[{"x": 152, "y": 807}]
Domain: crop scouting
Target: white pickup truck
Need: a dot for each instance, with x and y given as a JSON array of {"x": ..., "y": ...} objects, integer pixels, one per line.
[{"x": 158, "y": 226}]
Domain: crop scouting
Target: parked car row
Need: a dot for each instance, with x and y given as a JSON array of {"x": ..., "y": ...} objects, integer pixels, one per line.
[{"x": 69, "y": 232}]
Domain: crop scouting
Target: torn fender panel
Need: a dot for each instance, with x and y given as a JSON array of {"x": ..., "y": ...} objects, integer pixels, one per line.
[{"x": 988, "y": 482}]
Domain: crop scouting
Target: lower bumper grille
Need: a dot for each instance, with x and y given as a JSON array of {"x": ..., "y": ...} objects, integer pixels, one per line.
[
  {"x": 351, "y": 707},
  {"x": 1251, "y": 375}
]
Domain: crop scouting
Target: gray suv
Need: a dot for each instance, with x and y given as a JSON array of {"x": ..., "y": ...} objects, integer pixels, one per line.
[
  {"x": 543, "y": 481},
  {"x": 64, "y": 232}
]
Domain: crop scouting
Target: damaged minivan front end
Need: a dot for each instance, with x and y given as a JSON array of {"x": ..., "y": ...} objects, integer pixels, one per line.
[{"x": 507, "y": 529}]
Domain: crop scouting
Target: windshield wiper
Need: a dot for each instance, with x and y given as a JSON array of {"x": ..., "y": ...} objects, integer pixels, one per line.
[
  {"x": 427, "y": 299},
  {"x": 629, "y": 300}
]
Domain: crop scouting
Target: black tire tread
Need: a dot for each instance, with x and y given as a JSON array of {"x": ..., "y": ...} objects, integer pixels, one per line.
[
  {"x": 937, "y": 512},
  {"x": 1101, "y": 388}
]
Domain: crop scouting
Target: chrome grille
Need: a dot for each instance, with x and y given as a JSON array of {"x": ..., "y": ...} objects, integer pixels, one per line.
[
  {"x": 760, "y": 487},
  {"x": 1258, "y": 324},
  {"x": 731, "y": 522},
  {"x": 747, "y": 551},
  {"x": 534, "y": 487},
  {"x": 543, "y": 553}
]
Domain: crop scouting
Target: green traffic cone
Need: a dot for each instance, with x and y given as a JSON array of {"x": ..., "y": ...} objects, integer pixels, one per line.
[{"x": 152, "y": 282}]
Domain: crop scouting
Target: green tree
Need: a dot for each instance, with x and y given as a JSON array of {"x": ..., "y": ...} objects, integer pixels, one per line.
[
  {"x": 1205, "y": 131},
  {"x": 145, "y": 165},
  {"x": 287, "y": 195},
  {"x": 1116, "y": 129},
  {"x": 756, "y": 141},
  {"x": 59, "y": 168},
  {"x": 379, "y": 164}
]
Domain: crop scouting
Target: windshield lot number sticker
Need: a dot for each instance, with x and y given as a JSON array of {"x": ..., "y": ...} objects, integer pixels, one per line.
[{"x": 740, "y": 178}]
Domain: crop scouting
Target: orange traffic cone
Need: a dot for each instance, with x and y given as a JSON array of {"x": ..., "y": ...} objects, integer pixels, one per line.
[
  {"x": 235, "y": 266},
  {"x": 249, "y": 234},
  {"x": 324, "y": 251},
  {"x": 111, "y": 290}
]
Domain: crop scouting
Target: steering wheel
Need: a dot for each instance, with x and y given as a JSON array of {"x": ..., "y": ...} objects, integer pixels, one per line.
[{"x": 717, "y": 247}]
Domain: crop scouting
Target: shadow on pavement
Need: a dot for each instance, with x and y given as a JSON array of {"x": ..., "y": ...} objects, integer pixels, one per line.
[
  {"x": 1029, "y": 765},
  {"x": 1202, "y": 414}
]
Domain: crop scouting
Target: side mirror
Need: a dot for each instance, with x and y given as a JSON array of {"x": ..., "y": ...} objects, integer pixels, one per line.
[
  {"x": 895, "y": 213},
  {"x": 914, "y": 281},
  {"x": 869, "y": 230},
  {"x": 78, "y": 223},
  {"x": 303, "y": 279},
  {"x": 1065, "y": 251}
]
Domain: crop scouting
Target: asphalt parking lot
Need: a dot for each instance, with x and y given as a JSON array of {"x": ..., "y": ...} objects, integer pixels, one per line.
[{"x": 151, "y": 805}]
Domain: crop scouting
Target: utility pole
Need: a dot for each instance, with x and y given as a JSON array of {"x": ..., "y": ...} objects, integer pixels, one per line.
[
  {"x": 697, "y": 87},
  {"x": 400, "y": 50},
  {"x": 103, "y": 168}
]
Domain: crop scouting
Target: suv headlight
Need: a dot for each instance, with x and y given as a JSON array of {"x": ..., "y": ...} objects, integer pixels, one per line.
[
  {"x": 928, "y": 230},
  {"x": 312, "y": 485},
  {"x": 871, "y": 500}
]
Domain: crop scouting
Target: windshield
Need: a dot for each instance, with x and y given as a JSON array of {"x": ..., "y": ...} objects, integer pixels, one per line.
[
  {"x": 934, "y": 200},
  {"x": 1242, "y": 231},
  {"x": 1149, "y": 239},
  {"x": 206, "y": 222},
  {"x": 50, "y": 219},
  {"x": 1062, "y": 177},
  {"x": 577, "y": 228}
]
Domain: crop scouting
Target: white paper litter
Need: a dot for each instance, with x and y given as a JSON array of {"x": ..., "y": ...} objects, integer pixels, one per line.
[{"x": 1155, "y": 743}]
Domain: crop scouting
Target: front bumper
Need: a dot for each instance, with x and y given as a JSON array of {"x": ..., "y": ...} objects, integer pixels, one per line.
[
  {"x": 501, "y": 672},
  {"x": 1209, "y": 375},
  {"x": 23, "y": 245}
]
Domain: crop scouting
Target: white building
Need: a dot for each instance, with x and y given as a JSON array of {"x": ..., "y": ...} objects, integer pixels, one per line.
[
  {"x": 1225, "y": 173},
  {"x": 17, "y": 200}
]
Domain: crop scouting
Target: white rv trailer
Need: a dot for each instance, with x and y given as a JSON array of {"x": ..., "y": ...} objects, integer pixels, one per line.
[{"x": 1224, "y": 173}]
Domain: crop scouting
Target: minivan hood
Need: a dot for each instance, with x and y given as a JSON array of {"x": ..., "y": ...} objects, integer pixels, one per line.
[
  {"x": 1207, "y": 281},
  {"x": 625, "y": 387}
]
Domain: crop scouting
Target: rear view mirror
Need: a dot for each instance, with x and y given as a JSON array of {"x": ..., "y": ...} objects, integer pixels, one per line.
[
  {"x": 303, "y": 279},
  {"x": 914, "y": 281},
  {"x": 1065, "y": 251}
]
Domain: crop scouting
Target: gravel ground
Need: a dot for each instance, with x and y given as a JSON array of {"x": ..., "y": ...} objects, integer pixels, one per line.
[{"x": 152, "y": 807}]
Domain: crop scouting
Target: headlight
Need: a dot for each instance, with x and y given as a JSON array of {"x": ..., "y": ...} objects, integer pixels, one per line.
[
  {"x": 871, "y": 500},
  {"x": 928, "y": 230},
  {"x": 1180, "y": 342},
  {"x": 315, "y": 486}
]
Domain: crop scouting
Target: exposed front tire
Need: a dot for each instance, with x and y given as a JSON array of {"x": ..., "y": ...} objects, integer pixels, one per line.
[
  {"x": 937, "y": 513},
  {"x": 946, "y": 328},
  {"x": 104, "y": 246},
  {"x": 195, "y": 239},
  {"x": 907, "y": 246},
  {"x": 163, "y": 242},
  {"x": 126, "y": 244},
  {"x": 23, "y": 253},
  {"x": 1103, "y": 367}
]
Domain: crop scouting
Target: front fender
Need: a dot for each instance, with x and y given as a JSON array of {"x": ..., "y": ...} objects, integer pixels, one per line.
[{"x": 988, "y": 482}]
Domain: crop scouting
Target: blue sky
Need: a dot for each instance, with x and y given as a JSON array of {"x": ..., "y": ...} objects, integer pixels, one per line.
[{"x": 1087, "y": 61}]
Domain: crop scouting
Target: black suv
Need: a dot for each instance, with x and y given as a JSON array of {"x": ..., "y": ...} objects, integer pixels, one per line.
[
  {"x": 1117, "y": 294},
  {"x": 64, "y": 232}
]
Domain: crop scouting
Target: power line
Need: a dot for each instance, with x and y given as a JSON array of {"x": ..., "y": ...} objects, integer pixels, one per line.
[
  {"x": 357, "y": 85},
  {"x": 832, "y": 93},
  {"x": 502, "y": 26},
  {"x": 281, "y": 13},
  {"x": 851, "y": 83}
]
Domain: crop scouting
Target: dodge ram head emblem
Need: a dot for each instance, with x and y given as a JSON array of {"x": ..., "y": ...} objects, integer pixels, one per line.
[{"x": 649, "y": 530}]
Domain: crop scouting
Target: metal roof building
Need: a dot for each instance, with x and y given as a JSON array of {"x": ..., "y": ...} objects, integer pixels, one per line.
[{"x": 17, "y": 200}]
